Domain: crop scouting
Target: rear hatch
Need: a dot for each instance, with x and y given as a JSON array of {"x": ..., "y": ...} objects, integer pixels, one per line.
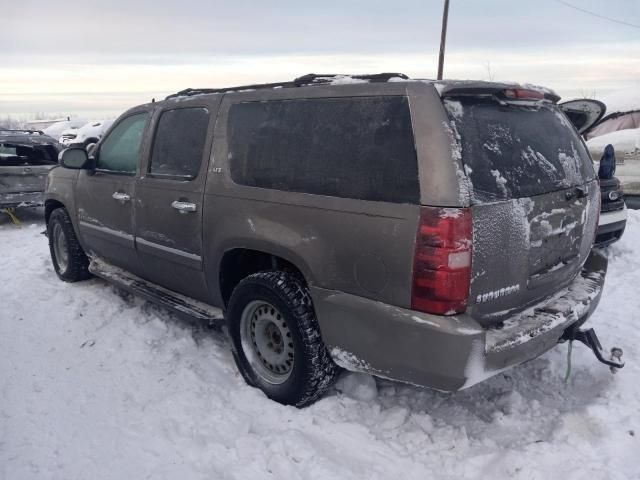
[
  {"x": 534, "y": 200},
  {"x": 24, "y": 166},
  {"x": 584, "y": 113}
]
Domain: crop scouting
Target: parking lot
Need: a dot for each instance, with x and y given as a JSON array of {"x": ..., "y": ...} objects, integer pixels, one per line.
[{"x": 99, "y": 384}]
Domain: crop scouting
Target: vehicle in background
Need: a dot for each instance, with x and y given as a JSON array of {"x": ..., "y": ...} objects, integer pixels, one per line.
[
  {"x": 627, "y": 147},
  {"x": 586, "y": 115},
  {"x": 435, "y": 233},
  {"x": 620, "y": 128},
  {"x": 43, "y": 124},
  {"x": 55, "y": 130},
  {"x": 613, "y": 213},
  {"x": 26, "y": 157},
  {"x": 88, "y": 134}
]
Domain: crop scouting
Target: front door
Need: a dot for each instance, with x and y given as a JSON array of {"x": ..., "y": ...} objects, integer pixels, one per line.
[
  {"x": 105, "y": 196},
  {"x": 169, "y": 196}
]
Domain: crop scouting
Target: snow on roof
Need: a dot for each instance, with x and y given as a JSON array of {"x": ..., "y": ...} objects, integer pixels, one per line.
[
  {"x": 621, "y": 101},
  {"x": 444, "y": 85}
]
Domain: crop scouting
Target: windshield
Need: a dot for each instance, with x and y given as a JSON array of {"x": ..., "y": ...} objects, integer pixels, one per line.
[{"x": 513, "y": 151}]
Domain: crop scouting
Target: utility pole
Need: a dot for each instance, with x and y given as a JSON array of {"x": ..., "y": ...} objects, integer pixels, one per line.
[{"x": 443, "y": 38}]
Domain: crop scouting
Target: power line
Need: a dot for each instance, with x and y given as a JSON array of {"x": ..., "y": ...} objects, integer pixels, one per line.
[{"x": 621, "y": 22}]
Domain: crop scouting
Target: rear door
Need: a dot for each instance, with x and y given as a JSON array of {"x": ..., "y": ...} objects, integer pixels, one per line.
[
  {"x": 169, "y": 195},
  {"x": 534, "y": 201},
  {"x": 105, "y": 196}
]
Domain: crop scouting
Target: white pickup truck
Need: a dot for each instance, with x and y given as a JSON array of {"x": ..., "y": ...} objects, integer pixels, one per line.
[{"x": 86, "y": 135}]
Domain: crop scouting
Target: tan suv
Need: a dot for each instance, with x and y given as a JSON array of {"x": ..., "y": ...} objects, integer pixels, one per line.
[{"x": 432, "y": 233}]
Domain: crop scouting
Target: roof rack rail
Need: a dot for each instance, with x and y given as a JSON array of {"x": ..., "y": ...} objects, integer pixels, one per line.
[
  {"x": 21, "y": 130},
  {"x": 314, "y": 78},
  {"x": 305, "y": 80},
  {"x": 198, "y": 91}
]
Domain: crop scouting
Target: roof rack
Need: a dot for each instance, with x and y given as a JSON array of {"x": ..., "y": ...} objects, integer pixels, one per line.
[
  {"x": 305, "y": 80},
  {"x": 315, "y": 78},
  {"x": 22, "y": 130}
]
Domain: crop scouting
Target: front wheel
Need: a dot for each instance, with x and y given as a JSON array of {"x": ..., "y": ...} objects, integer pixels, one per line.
[
  {"x": 276, "y": 339},
  {"x": 69, "y": 260}
]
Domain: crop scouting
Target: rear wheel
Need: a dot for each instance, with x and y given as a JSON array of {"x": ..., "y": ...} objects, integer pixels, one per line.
[
  {"x": 69, "y": 260},
  {"x": 276, "y": 339}
]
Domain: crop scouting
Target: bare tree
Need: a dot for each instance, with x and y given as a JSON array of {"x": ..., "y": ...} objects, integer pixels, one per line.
[
  {"x": 489, "y": 71},
  {"x": 10, "y": 122},
  {"x": 588, "y": 94}
]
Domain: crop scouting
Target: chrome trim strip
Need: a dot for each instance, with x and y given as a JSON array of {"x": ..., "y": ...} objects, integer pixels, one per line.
[
  {"x": 106, "y": 233},
  {"x": 174, "y": 255}
]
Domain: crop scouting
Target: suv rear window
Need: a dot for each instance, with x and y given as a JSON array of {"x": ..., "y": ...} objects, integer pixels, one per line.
[
  {"x": 17, "y": 155},
  {"x": 359, "y": 147},
  {"x": 512, "y": 151}
]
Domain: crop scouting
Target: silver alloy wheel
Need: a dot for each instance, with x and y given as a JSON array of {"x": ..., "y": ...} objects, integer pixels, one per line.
[
  {"x": 266, "y": 342},
  {"x": 60, "y": 247}
]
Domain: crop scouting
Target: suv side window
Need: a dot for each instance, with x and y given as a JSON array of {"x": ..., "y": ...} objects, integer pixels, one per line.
[
  {"x": 119, "y": 152},
  {"x": 357, "y": 147},
  {"x": 179, "y": 142}
]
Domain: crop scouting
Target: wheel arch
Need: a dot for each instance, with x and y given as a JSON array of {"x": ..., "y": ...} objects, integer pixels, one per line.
[
  {"x": 239, "y": 262},
  {"x": 49, "y": 206}
]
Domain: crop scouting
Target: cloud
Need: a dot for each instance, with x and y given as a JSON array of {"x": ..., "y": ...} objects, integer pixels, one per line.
[{"x": 99, "y": 56}]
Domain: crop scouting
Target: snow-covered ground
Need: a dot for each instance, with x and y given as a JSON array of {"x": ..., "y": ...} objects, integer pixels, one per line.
[{"x": 96, "y": 384}]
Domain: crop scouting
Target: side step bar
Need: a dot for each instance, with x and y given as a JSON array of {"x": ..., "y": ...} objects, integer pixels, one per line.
[{"x": 180, "y": 304}]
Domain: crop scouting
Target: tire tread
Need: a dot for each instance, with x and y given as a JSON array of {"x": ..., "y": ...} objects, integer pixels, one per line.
[
  {"x": 293, "y": 292},
  {"x": 78, "y": 268}
]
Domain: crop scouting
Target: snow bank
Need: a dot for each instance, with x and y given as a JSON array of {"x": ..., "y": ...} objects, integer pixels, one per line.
[
  {"x": 96, "y": 384},
  {"x": 624, "y": 140}
]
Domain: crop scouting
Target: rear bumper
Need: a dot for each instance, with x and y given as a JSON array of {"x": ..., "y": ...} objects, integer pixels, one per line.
[
  {"x": 21, "y": 199},
  {"x": 449, "y": 353},
  {"x": 611, "y": 227},
  {"x": 615, "y": 217},
  {"x": 632, "y": 201}
]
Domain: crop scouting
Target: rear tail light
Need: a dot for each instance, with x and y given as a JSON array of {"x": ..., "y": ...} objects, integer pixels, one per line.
[
  {"x": 523, "y": 94},
  {"x": 442, "y": 262}
]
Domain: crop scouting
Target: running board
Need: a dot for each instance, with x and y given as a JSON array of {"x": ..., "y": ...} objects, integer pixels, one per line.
[{"x": 180, "y": 304}]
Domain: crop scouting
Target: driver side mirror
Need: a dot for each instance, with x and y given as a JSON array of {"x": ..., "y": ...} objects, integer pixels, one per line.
[{"x": 75, "y": 158}]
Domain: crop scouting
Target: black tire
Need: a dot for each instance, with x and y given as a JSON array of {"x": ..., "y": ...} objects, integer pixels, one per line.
[
  {"x": 313, "y": 371},
  {"x": 76, "y": 265}
]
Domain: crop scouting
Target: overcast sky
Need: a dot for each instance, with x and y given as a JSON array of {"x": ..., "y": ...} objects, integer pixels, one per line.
[{"x": 96, "y": 58}]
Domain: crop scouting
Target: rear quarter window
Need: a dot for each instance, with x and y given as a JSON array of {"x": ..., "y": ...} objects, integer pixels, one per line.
[
  {"x": 512, "y": 151},
  {"x": 360, "y": 148},
  {"x": 13, "y": 155}
]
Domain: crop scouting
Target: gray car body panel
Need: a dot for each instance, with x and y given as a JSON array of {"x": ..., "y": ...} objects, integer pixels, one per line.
[
  {"x": 24, "y": 185},
  {"x": 449, "y": 353},
  {"x": 356, "y": 256},
  {"x": 165, "y": 239}
]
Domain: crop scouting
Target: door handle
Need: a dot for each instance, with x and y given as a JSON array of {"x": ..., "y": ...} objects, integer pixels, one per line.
[
  {"x": 184, "y": 207},
  {"x": 121, "y": 197}
]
